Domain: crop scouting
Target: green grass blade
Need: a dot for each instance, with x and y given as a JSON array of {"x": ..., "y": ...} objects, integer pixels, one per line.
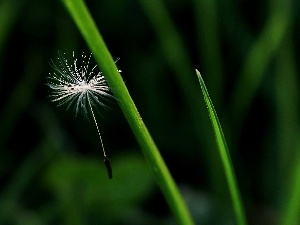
[
  {"x": 209, "y": 43},
  {"x": 288, "y": 133},
  {"x": 92, "y": 36},
  {"x": 291, "y": 206},
  {"x": 259, "y": 58},
  {"x": 225, "y": 157}
]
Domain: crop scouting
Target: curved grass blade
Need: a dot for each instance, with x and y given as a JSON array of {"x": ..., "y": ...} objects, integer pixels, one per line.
[
  {"x": 94, "y": 40},
  {"x": 224, "y": 153},
  {"x": 259, "y": 58}
]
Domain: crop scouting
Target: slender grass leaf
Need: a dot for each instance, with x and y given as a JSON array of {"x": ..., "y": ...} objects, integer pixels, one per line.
[
  {"x": 86, "y": 25},
  {"x": 225, "y": 157}
]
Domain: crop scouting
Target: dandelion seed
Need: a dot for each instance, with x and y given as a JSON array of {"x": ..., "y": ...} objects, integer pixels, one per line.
[
  {"x": 81, "y": 86},
  {"x": 108, "y": 166}
]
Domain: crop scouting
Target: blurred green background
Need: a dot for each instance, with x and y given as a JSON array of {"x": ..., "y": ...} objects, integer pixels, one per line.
[{"x": 51, "y": 164}]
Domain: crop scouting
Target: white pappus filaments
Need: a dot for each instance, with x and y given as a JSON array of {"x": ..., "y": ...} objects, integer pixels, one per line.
[{"x": 79, "y": 85}]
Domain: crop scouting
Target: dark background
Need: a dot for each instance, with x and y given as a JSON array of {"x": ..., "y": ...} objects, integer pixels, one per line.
[{"x": 51, "y": 163}]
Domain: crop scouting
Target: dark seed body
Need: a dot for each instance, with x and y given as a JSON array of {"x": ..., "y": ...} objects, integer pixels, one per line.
[{"x": 108, "y": 167}]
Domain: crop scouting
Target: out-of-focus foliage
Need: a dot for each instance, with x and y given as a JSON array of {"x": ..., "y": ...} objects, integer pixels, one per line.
[
  {"x": 51, "y": 166},
  {"x": 80, "y": 190}
]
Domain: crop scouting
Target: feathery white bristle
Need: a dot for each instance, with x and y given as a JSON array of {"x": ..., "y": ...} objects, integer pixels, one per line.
[{"x": 79, "y": 85}]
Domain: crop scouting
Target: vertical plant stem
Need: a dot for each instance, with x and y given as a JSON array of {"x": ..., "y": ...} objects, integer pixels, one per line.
[
  {"x": 286, "y": 84},
  {"x": 291, "y": 206},
  {"x": 224, "y": 153},
  {"x": 288, "y": 135},
  {"x": 259, "y": 58},
  {"x": 208, "y": 34},
  {"x": 90, "y": 33}
]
